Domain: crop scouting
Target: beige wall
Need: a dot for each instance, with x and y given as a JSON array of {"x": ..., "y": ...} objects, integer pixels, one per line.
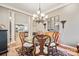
[
  {"x": 4, "y": 16},
  {"x": 70, "y": 34},
  {"x": 18, "y": 18},
  {"x": 21, "y": 18}
]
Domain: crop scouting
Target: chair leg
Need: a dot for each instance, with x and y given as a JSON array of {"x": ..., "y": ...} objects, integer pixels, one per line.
[
  {"x": 6, "y": 54},
  {"x": 56, "y": 49}
]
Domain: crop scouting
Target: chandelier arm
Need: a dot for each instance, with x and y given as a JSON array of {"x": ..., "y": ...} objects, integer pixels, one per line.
[
  {"x": 39, "y": 8},
  {"x": 40, "y": 18}
]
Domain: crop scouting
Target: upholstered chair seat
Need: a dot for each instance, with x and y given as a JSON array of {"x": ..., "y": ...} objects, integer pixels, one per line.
[
  {"x": 27, "y": 44},
  {"x": 52, "y": 44}
]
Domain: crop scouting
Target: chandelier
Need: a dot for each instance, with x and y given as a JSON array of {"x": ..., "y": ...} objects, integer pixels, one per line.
[{"x": 39, "y": 17}]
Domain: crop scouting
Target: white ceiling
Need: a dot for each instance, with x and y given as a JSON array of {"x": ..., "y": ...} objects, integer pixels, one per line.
[{"x": 33, "y": 7}]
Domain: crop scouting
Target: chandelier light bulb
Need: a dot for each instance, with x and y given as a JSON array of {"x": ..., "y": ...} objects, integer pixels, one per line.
[
  {"x": 33, "y": 18},
  {"x": 42, "y": 15},
  {"x": 46, "y": 16},
  {"x": 34, "y": 15},
  {"x": 10, "y": 17},
  {"x": 38, "y": 12},
  {"x": 53, "y": 18}
]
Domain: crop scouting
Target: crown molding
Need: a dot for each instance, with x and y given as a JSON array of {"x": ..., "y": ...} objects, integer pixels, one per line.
[
  {"x": 29, "y": 14},
  {"x": 15, "y": 9},
  {"x": 53, "y": 9}
]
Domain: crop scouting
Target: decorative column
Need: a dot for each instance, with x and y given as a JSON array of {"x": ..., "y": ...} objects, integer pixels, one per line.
[
  {"x": 12, "y": 26},
  {"x": 30, "y": 27}
]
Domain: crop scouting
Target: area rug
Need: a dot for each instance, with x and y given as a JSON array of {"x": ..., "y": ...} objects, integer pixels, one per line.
[
  {"x": 53, "y": 52},
  {"x": 59, "y": 53}
]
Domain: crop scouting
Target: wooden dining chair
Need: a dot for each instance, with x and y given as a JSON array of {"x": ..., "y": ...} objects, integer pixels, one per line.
[
  {"x": 39, "y": 44},
  {"x": 56, "y": 37},
  {"x": 21, "y": 50},
  {"x": 22, "y": 37},
  {"x": 54, "y": 43},
  {"x": 25, "y": 50}
]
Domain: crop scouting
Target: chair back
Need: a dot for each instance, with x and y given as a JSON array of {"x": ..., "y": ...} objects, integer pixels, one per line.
[
  {"x": 56, "y": 37},
  {"x": 22, "y": 37},
  {"x": 41, "y": 41}
]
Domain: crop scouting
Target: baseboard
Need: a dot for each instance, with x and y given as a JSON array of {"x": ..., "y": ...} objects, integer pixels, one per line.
[{"x": 68, "y": 47}]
